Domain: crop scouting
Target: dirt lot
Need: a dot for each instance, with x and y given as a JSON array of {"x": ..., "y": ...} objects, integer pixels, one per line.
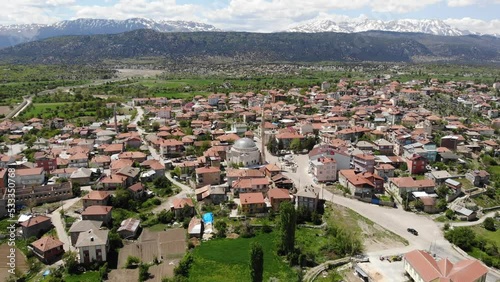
[
  {"x": 137, "y": 72},
  {"x": 4, "y": 110},
  {"x": 21, "y": 262},
  {"x": 375, "y": 237},
  {"x": 123, "y": 275}
]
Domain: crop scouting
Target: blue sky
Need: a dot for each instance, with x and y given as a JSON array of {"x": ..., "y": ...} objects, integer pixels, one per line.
[{"x": 259, "y": 15}]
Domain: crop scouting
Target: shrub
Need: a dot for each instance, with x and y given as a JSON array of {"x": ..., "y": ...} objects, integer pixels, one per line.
[
  {"x": 489, "y": 224},
  {"x": 132, "y": 261}
]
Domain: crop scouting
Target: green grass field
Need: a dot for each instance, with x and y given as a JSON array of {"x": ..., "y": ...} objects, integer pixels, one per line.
[
  {"x": 43, "y": 107},
  {"x": 489, "y": 235},
  {"x": 89, "y": 276},
  {"x": 228, "y": 260}
]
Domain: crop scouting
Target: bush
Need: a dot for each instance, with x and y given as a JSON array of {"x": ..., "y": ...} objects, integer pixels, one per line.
[
  {"x": 449, "y": 214},
  {"x": 489, "y": 224},
  {"x": 132, "y": 261},
  {"x": 446, "y": 226}
]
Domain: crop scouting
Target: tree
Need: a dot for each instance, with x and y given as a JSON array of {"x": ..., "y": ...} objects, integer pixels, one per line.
[
  {"x": 155, "y": 126},
  {"x": 296, "y": 145},
  {"x": 442, "y": 204},
  {"x": 165, "y": 216},
  {"x": 419, "y": 205},
  {"x": 221, "y": 227},
  {"x": 75, "y": 188},
  {"x": 103, "y": 271},
  {"x": 287, "y": 224},
  {"x": 256, "y": 262},
  {"x": 184, "y": 265},
  {"x": 121, "y": 199},
  {"x": 70, "y": 261},
  {"x": 489, "y": 224},
  {"x": 463, "y": 237},
  {"x": 272, "y": 146},
  {"x": 143, "y": 272}
]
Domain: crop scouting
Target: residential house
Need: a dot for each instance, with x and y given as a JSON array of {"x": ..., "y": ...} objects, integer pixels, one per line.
[
  {"x": 277, "y": 196},
  {"x": 450, "y": 142},
  {"x": 96, "y": 198},
  {"x": 93, "y": 246},
  {"x": 112, "y": 182},
  {"x": 235, "y": 174},
  {"x": 100, "y": 161},
  {"x": 307, "y": 198},
  {"x": 417, "y": 164},
  {"x": 29, "y": 177},
  {"x": 46, "y": 161},
  {"x": 423, "y": 267},
  {"x": 324, "y": 169},
  {"x": 132, "y": 174},
  {"x": 361, "y": 184},
  {"x": 138, "y": 191},
  {"x": 207, "y": 176},
  {"x": 82, "y": 226},
  {"x": 35, "y": 226},
  {"x": 179, "y": 204},
  {"x": 100, "y": 213},
  {"x": 439, "y": 176},
  {"x": 384, "y": 170},
  {"x": 156, "y": 166},
  {"x": 406, "y": 185},
  {"x": 113, "y": 149},
  {"x": 133, "y": 142},
  {"x": 271, "y": 170},
  {"x": 248, "y": 185},
  {"x": 478, "y": 178},
  {"x": 364, "y": 162},
  {"x": 252, "y": 203},
  {"x": 78, "y": 160},
  {"x": 81, "y": 176},
  {"x": 134, "y": 156},
  {"x": 209, "y": 194},
  {"x": 384, "y": 147},
  {"x": 171, "y": 148},
  {"x": 129, "y": 228},
  {"x": 47, "y": 249}
]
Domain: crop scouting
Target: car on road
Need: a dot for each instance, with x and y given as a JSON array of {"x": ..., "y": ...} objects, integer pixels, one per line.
[{"x": 412, "y": 231}]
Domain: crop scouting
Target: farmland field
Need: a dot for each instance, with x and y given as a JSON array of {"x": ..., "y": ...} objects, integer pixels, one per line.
[{"x": 228, "y": 260}]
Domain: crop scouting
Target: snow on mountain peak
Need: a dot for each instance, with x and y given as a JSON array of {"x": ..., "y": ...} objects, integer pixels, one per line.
[{"x": 436, "y": 27}]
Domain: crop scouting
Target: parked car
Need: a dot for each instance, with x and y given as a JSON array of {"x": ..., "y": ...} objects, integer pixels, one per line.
[{"x": 412, "y": 231}]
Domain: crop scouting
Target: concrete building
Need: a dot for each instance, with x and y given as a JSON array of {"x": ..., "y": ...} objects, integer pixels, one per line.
[
  {"x": 207, "y": 176},
  {"x": 324, "y": 169},
  {"x": 29, "y": 177},
  {"x": 92, "y": 245},
  {"x": 307, "y": 198}
]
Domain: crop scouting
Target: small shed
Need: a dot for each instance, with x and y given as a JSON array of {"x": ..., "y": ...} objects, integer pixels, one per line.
[{"x": 129, "y": 228}]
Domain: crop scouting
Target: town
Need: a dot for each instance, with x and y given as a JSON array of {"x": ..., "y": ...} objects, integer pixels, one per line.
[{"x": 357, "y": 180}]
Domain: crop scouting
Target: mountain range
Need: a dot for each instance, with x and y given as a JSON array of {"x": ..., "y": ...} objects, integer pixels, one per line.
[
  {"x": 11, "y": 35},
  {"x": 245, "y": 47},
  {"x": 436, "y": 27}
]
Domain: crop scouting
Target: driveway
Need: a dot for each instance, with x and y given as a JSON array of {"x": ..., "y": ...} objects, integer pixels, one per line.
[{"x": 59, "y": 224}]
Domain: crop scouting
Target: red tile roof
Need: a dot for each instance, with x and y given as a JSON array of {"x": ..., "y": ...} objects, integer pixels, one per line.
[
  {"x": 251, "y": 198},
  {"x": 46, "y": 243},
  {"x": 97, "y": 210}
]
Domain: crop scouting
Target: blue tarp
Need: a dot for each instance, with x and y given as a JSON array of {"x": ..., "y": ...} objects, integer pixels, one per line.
[
  {"x": 46, "y": 272},
  {"x": 208, "y": 217}
]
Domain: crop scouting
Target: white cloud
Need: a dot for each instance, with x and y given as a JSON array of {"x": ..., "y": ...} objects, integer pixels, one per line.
[
  {"x": 476, "y": 25},
  {"x": 461, "y": 3},
  {"x": 31, "y": 11},
  {"x": 400, "y": 6},
  {"x": 154, "y": 9}
]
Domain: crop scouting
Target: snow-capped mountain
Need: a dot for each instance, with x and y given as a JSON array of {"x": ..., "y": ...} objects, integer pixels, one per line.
[
  {"x": 436, "y": 27},
  {"x": 15, "y": 34}
]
